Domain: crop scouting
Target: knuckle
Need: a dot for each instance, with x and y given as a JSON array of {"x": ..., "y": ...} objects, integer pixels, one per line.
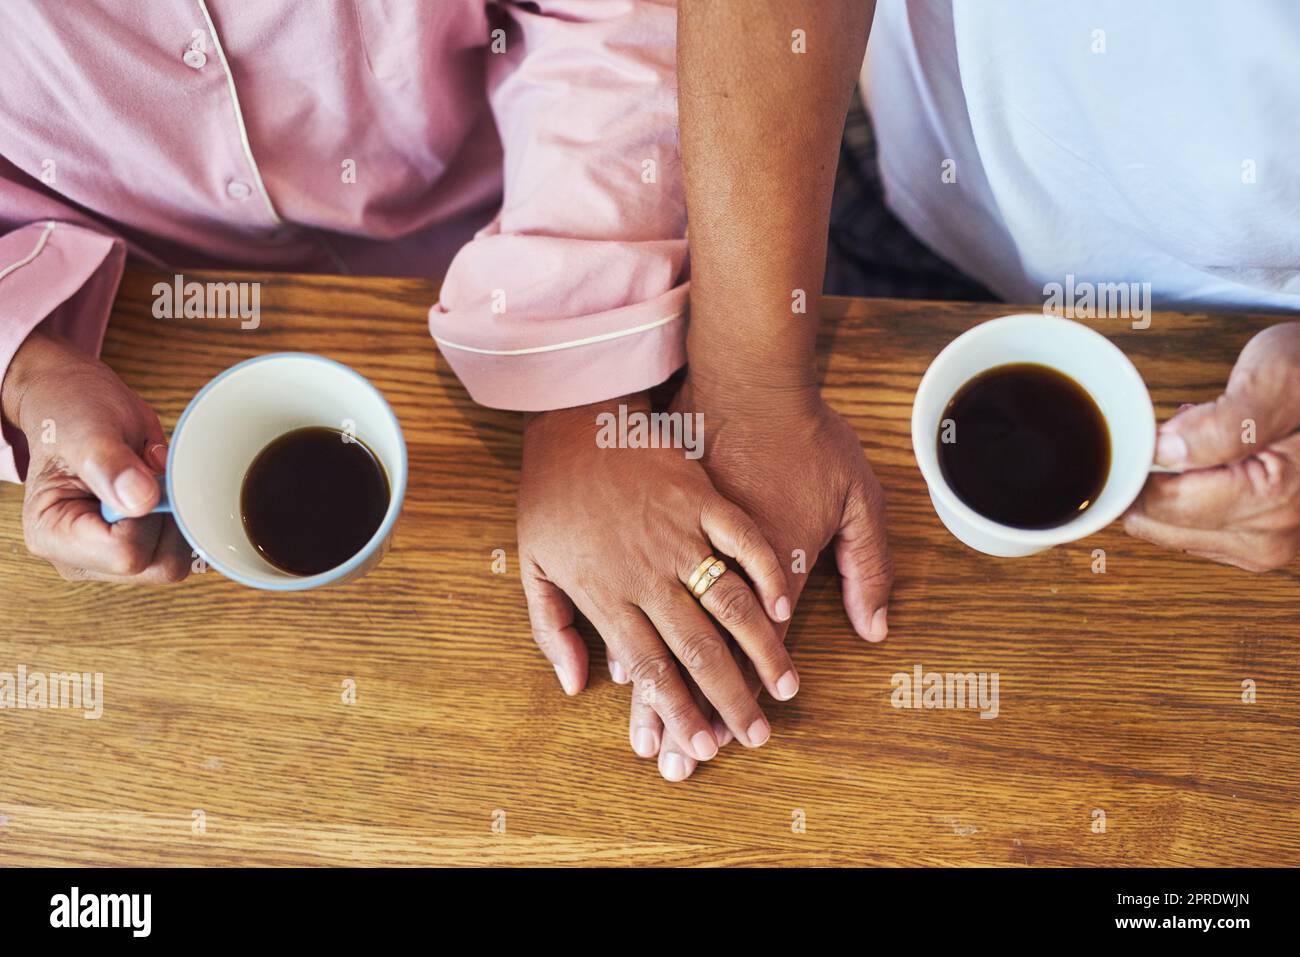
[
  {"x": 750, "y": 541},
  {"x": 733, "y": 606},
  {"x": 676, "y": 708},
  {"x": 648, "y": 667},
  {"x": 689, "y": 556},
  {"x": 879, "y": 569},
  {"x": 702, "y": 653},
  {"x": 656, "y": 591}
]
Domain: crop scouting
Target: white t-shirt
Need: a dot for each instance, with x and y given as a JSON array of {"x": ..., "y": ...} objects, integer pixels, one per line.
[{"x": 1103, "y": 142}]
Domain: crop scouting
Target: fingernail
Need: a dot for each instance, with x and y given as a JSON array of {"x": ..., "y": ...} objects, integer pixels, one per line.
[
  {"x": 647, "y": 743},
  {"x": 617, "y": 673},
  {"x": 673, "y": 768},
  {"x": 783, "y": 609},
  {"x": 134, "y": 489},
  {"x": 1185, "y": 406},
  {"x": 879, "y": 625},
  {"x": 568, "y": 683},
  {"x": 758, "y": 733},
  {"x": 704, "y": 745},
  {"x": 787, "y": 686},
  {"x": 1171, "y": 450},
  {"x": 156, "y": 456}
]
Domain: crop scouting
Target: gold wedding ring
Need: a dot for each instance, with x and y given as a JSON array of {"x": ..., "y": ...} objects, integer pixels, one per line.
[{"x": 705, "y": 574}]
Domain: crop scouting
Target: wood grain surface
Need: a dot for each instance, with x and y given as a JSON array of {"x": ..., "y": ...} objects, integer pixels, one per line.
[{"x": 1120, "y": 692}]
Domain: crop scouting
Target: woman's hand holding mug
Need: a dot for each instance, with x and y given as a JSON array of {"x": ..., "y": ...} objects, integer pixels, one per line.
[{"x": 90, "y": 439}]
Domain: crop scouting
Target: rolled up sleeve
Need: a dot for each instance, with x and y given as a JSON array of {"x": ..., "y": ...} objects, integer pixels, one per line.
[
  {"x": 59, "y": 276},
  {"x": 576, "y": 292}
]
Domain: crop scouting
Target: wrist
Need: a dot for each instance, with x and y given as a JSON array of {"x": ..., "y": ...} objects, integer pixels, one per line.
[
  {"x": 769, "y": 356},
  {"x": 580, "y": 418},
  {"x": 32, "y": 355},
  {"x": 748, "y": 383}
]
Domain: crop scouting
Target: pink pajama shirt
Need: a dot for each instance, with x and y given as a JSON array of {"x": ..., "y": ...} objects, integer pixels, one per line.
[{"x": 526, "y": 152}]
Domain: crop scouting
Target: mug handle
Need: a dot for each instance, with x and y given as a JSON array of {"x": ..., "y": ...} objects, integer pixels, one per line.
[{"x": 112, "y": 515}]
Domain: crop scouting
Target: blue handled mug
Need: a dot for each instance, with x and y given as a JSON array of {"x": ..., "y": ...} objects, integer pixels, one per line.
[{"x": 236, "y": 416}]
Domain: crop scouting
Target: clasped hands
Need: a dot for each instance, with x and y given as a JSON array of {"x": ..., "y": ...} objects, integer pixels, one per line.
[{"x": 781, "y": 474}]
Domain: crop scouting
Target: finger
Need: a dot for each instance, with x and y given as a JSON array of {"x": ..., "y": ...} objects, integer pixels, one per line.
[
  {"x": 644, "y": 727},
  {"x": 1245, "y": 419},
  {"x": 734, "y": 533},
  {"x": 113, "y": 470},
  {"x": 551, "y": 615},
  {"x": 866, "y": 569},
  {"x": 1221, "y": 497},
  {"x": 703, "y": 652},
  {"x": 171, "y": 558},
  {"x": 675, "y": 761},
  {"x": 169, "y": 565},
  {"x": 752, "y": 684},
  {"x": 735, "y": 607},
  {"x": 655, "y": 677},
  {"x": 155, "y": 456},
  {"x": 1254, "y": 553},
  {"x": 62, "y": 523}
]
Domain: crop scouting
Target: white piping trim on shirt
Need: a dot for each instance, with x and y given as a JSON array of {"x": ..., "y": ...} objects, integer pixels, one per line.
[
  {"x": 40, "y": 244},
  {"x": 589, "y": 340},
  {"x": 239, "y": 114}
]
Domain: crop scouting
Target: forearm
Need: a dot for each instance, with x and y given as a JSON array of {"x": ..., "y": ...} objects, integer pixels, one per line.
[{"x": 760, "y": 131}]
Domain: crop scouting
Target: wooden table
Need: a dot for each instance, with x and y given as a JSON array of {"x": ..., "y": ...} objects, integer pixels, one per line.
[{"x": 1120, "y": 693}]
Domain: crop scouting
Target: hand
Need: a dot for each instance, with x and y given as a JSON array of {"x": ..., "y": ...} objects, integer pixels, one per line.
[
  {"x": 617, "y": 533},
  {"x": 797, "y": 467},
  {"x": 1238, "y": 502},
  {"x": 86, "y": 433}
]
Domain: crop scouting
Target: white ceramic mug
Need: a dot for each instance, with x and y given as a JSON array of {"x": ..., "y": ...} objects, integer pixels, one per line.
[
  {"x": 238, "y": 414},
  {"x": 1087, "y": 357}
]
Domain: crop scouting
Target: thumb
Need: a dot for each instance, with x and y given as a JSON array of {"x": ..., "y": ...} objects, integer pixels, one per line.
[
  {"x": 550, "y": 612},
  {"x": 114, "y": 471},
  {"x": 1232, "y": 427},
  {"x": 862, "y": 556}
]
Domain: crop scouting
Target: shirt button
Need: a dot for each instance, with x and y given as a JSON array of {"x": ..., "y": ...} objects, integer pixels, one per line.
[
  {"x": 238, "y": 189},
  {"x": 195, "y": 59}
]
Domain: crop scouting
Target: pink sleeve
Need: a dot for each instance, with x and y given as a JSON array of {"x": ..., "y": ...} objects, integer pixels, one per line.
[
  {"x": 63, "y": 276},
  {"x": 576, "y": 292}
]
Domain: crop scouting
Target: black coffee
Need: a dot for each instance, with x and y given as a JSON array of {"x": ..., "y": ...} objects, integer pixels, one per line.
[
  {"x": 312, "y": 499},
  {"x": 1031, "y": 448}
]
